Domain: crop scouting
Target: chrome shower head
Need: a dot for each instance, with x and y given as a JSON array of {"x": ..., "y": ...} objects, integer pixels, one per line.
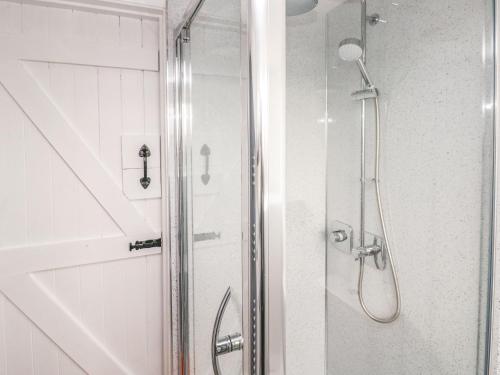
[
  {"x": 297, "y": 7},
  {"x": 351, "y": 50}
]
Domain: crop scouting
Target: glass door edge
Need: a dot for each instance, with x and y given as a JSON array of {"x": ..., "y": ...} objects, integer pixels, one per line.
[{"x": 492, "y": 351}]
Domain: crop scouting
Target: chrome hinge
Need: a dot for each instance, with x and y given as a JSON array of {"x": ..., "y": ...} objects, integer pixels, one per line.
[{"x": 145, "y": 244}]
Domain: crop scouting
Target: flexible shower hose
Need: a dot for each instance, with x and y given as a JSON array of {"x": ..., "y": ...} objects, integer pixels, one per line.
[{"x": 397, "y": 311}]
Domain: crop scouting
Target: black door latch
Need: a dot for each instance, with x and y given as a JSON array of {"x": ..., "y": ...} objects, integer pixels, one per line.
[{"x": 145, "y": 244}]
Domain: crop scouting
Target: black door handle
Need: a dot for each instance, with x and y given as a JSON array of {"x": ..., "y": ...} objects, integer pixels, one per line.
[{"x": 145, "y": 153}]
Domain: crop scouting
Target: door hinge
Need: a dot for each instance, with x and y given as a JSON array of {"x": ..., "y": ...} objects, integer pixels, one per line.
[{"x": 145, "y": 244}]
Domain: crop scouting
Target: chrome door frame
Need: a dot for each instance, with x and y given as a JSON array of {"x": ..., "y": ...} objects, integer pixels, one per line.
[
  {"x": 184, "y": 227},
  {"x": 267, "y": 62},
  {"x": 492, "y": 350},
  {"x": 180, "y": 132},
  {"x": 263, "y": 58}
]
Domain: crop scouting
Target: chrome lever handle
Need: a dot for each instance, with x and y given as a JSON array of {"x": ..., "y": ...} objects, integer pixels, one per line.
[{"x": 228, "y": 343}]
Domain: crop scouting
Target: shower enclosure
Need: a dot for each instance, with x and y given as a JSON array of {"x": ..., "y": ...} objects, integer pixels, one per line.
[
  {"x": 210, "y": 256},
  {"x": 335, "y": 187},
  {"x": 431, "y": 64}
]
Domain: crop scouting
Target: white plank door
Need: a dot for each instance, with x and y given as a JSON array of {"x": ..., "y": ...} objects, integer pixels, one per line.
[{"x": 74, "y": 299}]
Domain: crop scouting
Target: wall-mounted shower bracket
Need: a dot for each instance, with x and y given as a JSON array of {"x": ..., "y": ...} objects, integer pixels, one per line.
[
  {"x": 338, "y": 235},
  {"x": 366, "y": 251},
  {"x": 341, "y": 236},
  {"x": 376, "y": 248},
  {"x": 374, "y": 19}
]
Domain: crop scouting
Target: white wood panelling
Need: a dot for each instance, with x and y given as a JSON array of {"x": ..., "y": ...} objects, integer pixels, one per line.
[
  {"x": 79, "y": 52},
  {"x": 45, "y": 354},
  {"x": 45, "y": 256},
  {"x": 61, "y": 324},
  {"x": 153, "y": 314},
  {"x": 72, "y": 82},
  {"x": 10, "y": 18},
  {"x": 69, "y": 144},
  {"x": 13, "y": 218},
  {"x": 151, "y": 102},
  {"x": 110, "y": 114},
  {"x": 18, "y": 342},
  {"x": 132, "y": 102},
  {"x": 114, "y": 312},
  {"x": 69, "y": 36},
  {"x": 3, "y": 340},
  {"x": 130, "y": 32}
]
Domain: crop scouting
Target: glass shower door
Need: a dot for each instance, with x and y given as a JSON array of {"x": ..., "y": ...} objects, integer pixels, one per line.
[{"x": 210, "y": 282}]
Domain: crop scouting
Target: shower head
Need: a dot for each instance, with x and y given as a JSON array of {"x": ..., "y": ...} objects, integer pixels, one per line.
[
  {"x": 297, "y": 7},
  {"x": 351, "y": 50}
]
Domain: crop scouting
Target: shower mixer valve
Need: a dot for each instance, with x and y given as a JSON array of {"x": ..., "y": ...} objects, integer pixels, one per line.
[
  {"x": 366, "y": 251},
  {"x": 341, "y": 236}
]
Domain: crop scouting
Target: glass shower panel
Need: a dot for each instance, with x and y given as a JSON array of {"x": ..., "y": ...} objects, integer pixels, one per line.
[
  {"x": 214, "y": 175},
  {"x": 426, "y": 68},
  {"x": 429, "y": 63}
]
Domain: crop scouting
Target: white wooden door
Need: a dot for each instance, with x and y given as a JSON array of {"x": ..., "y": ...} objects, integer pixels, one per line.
[{"x": 73, "y": 81}]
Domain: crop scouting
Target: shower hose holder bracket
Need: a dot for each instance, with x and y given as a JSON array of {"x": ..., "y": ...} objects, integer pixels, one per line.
[
  {"x": 340, "y": 235},
  {"x": 376, "y": 249}
]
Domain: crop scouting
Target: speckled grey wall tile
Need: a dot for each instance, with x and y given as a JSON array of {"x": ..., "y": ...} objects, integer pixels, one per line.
[
  {"x": 306, "y": 195},
  {"x": 427, "y": 64}
]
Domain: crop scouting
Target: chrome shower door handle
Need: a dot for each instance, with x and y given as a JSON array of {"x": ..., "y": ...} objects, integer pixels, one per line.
[{"x": 226, "y": 344}]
